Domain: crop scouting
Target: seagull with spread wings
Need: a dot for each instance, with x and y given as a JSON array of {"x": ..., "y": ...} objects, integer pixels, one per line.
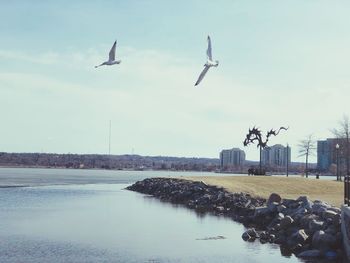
[
  {"x": 210, "y": 63},
  {"x": 111, "y": 59}
]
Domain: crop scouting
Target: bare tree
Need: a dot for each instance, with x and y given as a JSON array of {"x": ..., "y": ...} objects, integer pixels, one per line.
[
  {"x": 307, "y": 147},
  {"x": 343, "y": 135}
]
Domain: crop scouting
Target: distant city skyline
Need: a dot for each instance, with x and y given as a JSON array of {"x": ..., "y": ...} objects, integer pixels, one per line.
[
  {"x": 234, "y": 158},
  {"x": 281, "y": 64},
  {"x": 276, "y": 155}
]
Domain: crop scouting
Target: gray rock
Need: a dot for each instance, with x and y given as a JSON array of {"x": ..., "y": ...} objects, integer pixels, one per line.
[
  {"x": 315, "y": 225},
  {"x": 261, "y": 211},
  {"x": 303, "y": 199},
  {"x": 279, "y": 217},
  {"x": 250, "y": 235},
  {"x": 305, "y": 220},
  {"x": 272, "y": 207},
  {"x": 252, "y": 232},
  {"x": 331, "y": 255},
  {"x": 290, "y": 203},
  {"x": 314, "y": 253},
  {"x": 197, "y": 188},
  {"x": 272, "y": 238},
  {"x": 335, "y": 209},
  {"x": 332, "y": 230},
  {"x": 274, "y": 198},
  {"x": 220, "y": 209},
  {"x": 281, "y": 208},
  {"x": 305, "y": 202},
  {"x": 246, "y": 236},
  {"x": 278, "y": 227},
  {"x": 264, "y": 235},
  {"x": 329, "y": 214},
  {"x": 319, "y": 207},
  {"x": 318, "y": 210},
  {"x": 220, "y": 197},
  {"x": 286, "y": 222},
  {"x": 280, "y": 239},
  {"x": 336, "y": 221},
  {"x": 300, "y": 212},
  {"x": 323, "y": 241},
  {"x": 248, "y": 203},
  {"x": 203, "y": 184},
  {"x": 299, "y": 237}
]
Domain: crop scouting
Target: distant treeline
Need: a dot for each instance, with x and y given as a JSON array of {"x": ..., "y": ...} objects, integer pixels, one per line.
[{"x": 98, "y": 161}]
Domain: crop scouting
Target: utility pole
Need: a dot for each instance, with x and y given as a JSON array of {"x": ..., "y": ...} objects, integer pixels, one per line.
[
  {"x": 337, "y": 156},
  {"x": 287, "y": 172},
  {"x": 260, "y": 165},
  {"x": 109, "y": 141}
]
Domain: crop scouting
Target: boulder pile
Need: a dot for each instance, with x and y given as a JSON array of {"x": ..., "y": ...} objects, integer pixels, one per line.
[{"x": 309, "y": 229}]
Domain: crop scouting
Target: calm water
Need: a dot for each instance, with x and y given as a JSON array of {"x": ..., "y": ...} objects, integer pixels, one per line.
[{"x": 104, "y": 223}]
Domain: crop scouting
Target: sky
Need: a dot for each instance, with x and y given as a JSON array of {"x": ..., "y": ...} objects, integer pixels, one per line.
[{"x": 281, "y": 63}]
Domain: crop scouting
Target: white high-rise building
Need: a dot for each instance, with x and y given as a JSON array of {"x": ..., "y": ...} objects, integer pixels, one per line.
[
  {"x": 234, "y": 157},
  {"x": 276, "y": 156}
]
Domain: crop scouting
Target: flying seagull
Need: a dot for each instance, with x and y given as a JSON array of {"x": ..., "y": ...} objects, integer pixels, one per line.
[
  {"x": 111, "y": 59},
  {"x": 210, "y": 63}
]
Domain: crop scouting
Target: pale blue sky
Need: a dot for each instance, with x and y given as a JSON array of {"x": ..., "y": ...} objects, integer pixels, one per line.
[{"x": 281, "y": 63}]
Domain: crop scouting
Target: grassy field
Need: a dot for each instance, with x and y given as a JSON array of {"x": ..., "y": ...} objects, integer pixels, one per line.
[{"x": 330, "y": 191}]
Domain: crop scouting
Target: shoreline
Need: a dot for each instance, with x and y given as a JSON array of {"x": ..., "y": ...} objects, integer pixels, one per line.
[
  {"x": 165, "y": 170},
  {"x": 305, "y": 228}
]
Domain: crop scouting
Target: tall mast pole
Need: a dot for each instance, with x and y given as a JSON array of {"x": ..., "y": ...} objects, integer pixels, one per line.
[
  {"x": 109, "y": 141},
  {"x": 287, "y": 172}
]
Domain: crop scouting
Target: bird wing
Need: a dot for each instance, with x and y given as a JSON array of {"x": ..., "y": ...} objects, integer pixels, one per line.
[
  {"x": 112, "y": 52},
  {"x": 209, "y": 49},
  {"x": 201, "y": 76}
]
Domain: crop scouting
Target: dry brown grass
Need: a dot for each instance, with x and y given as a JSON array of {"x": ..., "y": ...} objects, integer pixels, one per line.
[{"x": 330, "y": 191}]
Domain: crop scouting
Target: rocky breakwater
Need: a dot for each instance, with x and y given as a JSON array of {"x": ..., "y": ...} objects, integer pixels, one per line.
[
  {"x": 201, "y": 197},
  {"x": 309, "y": 229}
]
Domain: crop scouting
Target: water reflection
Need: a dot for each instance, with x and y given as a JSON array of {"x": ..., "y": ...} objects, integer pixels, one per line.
[
  {"x": 104, "y": 223},
  {"x": 254, "y": 247}
]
